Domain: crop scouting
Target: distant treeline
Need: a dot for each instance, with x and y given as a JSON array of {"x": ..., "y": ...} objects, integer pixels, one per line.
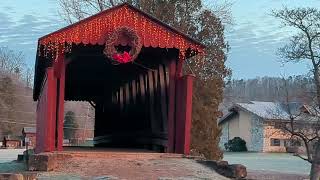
[{"x": 296, "y": 88}]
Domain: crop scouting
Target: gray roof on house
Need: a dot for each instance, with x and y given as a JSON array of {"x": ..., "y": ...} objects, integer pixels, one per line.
[
  {"x": 29, "y": 130},
  {"x": 267, "y": 110}
]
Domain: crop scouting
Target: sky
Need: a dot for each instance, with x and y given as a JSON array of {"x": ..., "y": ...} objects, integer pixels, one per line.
[{"x": 254, "y": 36}]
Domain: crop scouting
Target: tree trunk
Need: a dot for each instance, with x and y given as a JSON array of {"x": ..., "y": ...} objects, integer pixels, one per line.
[
  {"x": 317, "y": 82},
  {"x": 315, "y": 167}
]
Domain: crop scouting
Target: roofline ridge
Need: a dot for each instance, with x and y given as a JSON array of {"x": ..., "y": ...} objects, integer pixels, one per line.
[{"x": 134, "y": 8}]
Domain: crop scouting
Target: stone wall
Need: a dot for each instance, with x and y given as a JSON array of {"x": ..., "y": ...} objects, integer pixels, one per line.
[{"x": 257, "y": 134}]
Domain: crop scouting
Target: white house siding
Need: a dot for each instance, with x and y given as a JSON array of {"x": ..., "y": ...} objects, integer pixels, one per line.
[
  {"x": 257, "y": 134},
  {"x": 245, "y": 127},
  {"x": 229, "y": 130},
  {"x": 234, "y": 127},
  {"x": 224, "y": 135}
]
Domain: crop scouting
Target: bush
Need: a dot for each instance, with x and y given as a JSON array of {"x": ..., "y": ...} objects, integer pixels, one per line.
[{"x": 236, "y": 145}]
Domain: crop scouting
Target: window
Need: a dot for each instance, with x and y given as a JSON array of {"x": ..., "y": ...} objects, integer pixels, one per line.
[{"x": 275, "y": 142}]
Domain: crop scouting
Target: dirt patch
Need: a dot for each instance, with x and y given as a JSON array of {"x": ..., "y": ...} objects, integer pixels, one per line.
[{"x": 132, "y": 168}]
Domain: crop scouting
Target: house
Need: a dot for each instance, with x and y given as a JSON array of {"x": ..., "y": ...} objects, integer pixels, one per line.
[
  {"x": 11, "y": 142},
  {"x": 260, "y": 124},
  {"x": 29, "y": 133}
]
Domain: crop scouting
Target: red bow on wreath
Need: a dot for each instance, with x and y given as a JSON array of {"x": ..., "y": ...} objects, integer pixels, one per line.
[{"x": 122, "y": 58}]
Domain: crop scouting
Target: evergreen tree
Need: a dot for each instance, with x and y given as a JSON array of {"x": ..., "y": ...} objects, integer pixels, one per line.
[{"x": 70, "y": 125}]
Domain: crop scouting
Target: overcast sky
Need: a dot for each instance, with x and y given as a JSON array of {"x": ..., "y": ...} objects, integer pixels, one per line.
[{"x": 254, "y": 38}]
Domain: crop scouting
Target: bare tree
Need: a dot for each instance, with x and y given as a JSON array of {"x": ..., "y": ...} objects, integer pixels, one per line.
[
  {"x": 301, "y": 124},
  {"x": 14, "y": 76},
  {"x": 28, "y": 76},
  {"x": 304, "y": 46},
  {"x": 10, "y": 61},
  {"x": 75, "y": 10}
]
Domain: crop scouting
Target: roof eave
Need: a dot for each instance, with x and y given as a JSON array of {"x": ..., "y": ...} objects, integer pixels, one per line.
[{"x": 136, "y": 9}]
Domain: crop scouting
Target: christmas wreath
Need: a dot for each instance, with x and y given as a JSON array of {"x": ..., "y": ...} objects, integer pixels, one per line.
[{"x": 122, "y": 46}]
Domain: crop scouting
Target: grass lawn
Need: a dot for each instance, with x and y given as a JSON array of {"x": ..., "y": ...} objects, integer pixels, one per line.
[{"x": 278, "y": 162}]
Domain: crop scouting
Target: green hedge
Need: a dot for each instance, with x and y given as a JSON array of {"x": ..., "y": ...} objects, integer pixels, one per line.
[{"x": 236, "y": 145}]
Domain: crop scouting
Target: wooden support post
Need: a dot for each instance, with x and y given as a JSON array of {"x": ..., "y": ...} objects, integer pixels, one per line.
[
  {"x": 46, "y": 114},
  {"x": 51, "y": 119},
  {"x": 183, "y": 114},
  {"x": 60, "y": 108},
  {"x": 59, "y": 72}
]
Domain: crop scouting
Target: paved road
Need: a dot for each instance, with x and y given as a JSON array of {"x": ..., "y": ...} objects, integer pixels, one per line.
[
  {"x": 277, "y": 162},
  {"x": 6, "y": 158},
  {"x": 7, "y": 155}
]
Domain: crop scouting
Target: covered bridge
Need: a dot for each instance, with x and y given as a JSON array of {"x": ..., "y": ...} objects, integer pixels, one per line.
[{"x": 128, "y": 66}]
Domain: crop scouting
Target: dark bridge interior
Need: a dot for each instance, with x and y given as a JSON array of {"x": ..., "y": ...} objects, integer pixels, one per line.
[{"x": 130, "y": 100}]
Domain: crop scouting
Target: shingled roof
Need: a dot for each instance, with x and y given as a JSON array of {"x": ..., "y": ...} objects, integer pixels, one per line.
[
  {"x": 29, "y": 130},
  {"x": 266, "y": 110}
]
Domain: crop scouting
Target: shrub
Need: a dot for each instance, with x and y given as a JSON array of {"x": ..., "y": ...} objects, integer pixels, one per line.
[{"x": 236, "y": 145}]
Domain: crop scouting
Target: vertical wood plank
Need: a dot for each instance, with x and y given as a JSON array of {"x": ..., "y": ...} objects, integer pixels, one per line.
[
  {"x": 117, "y": 97},
  {"x": 156, "y": 79},
  {"x": 127, "y": 94},
  {"x": 142, "y": 88},
  {"x": 172, "y": 106},
  {"x": 163, "y": 98},
  {"x": 121, "y": 98},
  {"x": 134, "y": 91},
  {"x": 151, "y": 102},
  {"x": 167, "y": 79}
]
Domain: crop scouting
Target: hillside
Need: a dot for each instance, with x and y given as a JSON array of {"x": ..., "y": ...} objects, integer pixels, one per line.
[{"x": 18, "y": 110}]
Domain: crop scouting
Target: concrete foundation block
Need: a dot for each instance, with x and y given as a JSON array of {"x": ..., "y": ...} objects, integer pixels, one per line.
[{"x": 42, "y": 162}]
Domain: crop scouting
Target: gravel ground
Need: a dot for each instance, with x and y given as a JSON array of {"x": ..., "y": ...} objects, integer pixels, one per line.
[{"x": 139, "y": 169}]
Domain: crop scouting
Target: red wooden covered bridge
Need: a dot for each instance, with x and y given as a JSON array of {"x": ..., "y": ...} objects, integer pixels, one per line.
[{"x": 128, "y": 65}]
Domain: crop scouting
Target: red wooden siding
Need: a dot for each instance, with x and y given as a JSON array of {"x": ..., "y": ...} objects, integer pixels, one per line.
[
  {"x": 60, "y": 107},
  {"x": 183, "y": 114},
  {"x": 46, "y": 114}
]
